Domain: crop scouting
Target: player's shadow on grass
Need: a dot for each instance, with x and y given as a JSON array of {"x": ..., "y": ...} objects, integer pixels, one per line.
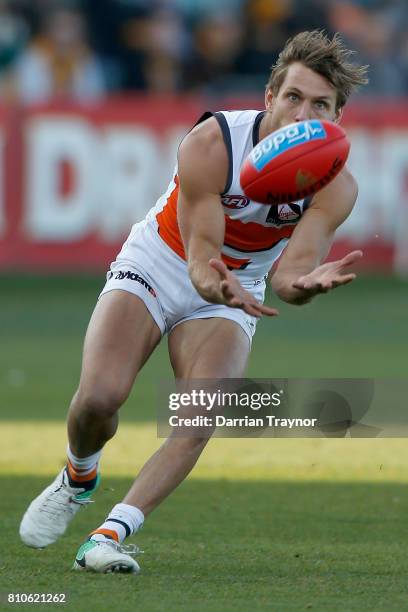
[
  {"x": 228, "y": 545},
  {"x": 238, "y": 518}
]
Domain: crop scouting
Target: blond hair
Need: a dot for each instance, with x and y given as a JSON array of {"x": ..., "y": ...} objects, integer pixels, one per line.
[{"x": 326, "y": 56}]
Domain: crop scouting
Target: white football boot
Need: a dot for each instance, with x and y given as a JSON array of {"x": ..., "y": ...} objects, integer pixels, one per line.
[
  {"x": 105, "y": 556},
  {"x": 49, "y": 514}
]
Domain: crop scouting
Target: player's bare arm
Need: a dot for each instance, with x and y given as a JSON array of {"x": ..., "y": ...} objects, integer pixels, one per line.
[
  {"x": 300, "y": 275},
  {"x": 203, "y": 168}
]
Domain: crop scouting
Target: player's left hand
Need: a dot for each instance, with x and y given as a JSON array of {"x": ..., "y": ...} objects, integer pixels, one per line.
[{"x": 328, "y": 276}]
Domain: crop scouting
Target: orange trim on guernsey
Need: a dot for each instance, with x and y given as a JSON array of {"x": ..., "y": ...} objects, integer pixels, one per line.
[
  {"x": 247, "y": 237},
  {"x": 251, "y": 237},
  {"x": 168, "y": 225},
  {"x": 233, "y": 263},
  {"x": 106, "y": 532}
]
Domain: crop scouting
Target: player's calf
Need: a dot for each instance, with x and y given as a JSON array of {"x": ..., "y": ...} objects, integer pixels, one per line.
[{"x": 93, "y": 417}]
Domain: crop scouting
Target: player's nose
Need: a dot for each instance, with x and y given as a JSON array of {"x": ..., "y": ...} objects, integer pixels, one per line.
[{"x": 303, "y": 112}]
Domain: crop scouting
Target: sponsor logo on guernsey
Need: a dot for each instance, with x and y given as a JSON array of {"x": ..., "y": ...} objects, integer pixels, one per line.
[
  {"x": 235, "y": 201},
  {"x": 284, "y": 214},
  {"x": 135, "y": 277},
  {"x": 284, "y": 139}
]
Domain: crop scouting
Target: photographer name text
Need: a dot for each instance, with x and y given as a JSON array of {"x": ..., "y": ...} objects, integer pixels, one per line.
[{"x": 222, "y": 421}]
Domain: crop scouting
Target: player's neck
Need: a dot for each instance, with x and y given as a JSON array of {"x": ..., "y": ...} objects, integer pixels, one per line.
[{"x": 267, "y": 125}]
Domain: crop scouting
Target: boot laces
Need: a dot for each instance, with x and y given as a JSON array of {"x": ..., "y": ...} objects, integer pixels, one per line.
[{"x": 127, "y": 549}]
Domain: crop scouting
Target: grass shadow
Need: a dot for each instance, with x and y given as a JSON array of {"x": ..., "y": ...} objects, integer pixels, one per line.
[{"x": 230, "y": 545}]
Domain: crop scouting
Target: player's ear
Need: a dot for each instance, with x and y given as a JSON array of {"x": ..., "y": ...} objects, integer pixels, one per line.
[
  {"x": 268, "y": 98},
  {"x": 338, "y": 115}
]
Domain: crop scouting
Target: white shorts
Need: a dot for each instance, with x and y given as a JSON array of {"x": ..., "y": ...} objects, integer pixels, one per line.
[{"x": 147, "y": 267}]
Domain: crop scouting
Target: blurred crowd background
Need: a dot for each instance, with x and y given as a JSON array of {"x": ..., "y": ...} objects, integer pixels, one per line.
[{"x": 86, "y": 49}]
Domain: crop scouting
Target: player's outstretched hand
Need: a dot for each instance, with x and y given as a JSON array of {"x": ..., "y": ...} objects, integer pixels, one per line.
[
  {"x": 236, "y": 296},
  {"x": 329, "y": 275}
]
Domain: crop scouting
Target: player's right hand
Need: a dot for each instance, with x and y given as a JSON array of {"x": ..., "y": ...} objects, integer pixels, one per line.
[{"x": 234, "y": 295}]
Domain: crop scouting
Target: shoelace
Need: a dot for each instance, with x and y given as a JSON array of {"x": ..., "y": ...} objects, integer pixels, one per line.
[
  {"x": 81, "y": 502},
  {"x": 58, "y": 506},
  {"x": 127, "y": 549}
]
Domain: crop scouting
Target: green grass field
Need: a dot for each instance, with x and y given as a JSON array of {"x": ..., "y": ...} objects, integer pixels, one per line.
[{"x": 261, "y": 524}]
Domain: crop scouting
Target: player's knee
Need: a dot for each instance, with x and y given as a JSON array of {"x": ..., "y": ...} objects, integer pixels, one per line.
[{"x": 100, "y": 403}]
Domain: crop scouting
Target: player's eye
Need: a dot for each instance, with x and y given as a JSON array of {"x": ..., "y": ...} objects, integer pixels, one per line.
[
  {"x": 293, "y": 97},
  {"x": 321, "y": 105}
]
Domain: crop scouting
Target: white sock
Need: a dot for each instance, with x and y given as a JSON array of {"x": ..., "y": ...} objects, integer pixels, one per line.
[
  {"x": 122, "y": 521},
  {"x": 85, "y": 465}
]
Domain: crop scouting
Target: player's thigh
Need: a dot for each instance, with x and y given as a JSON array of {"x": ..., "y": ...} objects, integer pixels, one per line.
[
  {"x": 209, "y": 348},
  {"x": 121, "y": 336}
]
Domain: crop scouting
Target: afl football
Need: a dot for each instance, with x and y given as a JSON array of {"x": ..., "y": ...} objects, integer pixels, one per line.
[{"x": 294, "y": 162}]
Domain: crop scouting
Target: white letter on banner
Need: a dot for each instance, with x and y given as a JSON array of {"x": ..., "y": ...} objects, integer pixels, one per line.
[
  {"x": 133, "y": 164},
  {"x": 394, "y": 194},
  {"x": 361, "y": 223},
  {"x": 173, "y": 138},
  {"x": 378, "y": 161},
  {"x": 50, "y": 214}
]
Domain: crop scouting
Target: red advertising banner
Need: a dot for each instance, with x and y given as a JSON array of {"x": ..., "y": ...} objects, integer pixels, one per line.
[{"x": 73, "y": 179}]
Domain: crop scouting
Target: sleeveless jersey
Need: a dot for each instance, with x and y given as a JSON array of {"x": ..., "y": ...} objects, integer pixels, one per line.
[{"x": 255, "y": 234}]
